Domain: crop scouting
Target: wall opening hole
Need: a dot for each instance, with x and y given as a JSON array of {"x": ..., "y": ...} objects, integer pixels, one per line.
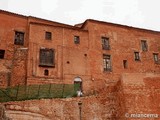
[
  {"x": 46, "y": 72},
  {"x": 125, "y": 64}
]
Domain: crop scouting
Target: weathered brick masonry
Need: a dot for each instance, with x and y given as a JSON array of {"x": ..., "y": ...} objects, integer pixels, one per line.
[{"x": 117, "y": 64}]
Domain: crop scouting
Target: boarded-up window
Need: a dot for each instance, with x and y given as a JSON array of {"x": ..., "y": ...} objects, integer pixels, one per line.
[
  {"x": 105, "y": 43},
  {"x": 47, "y": 57},
  {"x": 19, "y": 38},
  {"x": 107, "y": 63}
]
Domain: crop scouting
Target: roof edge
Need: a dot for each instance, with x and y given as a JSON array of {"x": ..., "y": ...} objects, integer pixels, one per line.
[
  {"x": 72, "y": 27},
  {"x": 115, "y": 24}
]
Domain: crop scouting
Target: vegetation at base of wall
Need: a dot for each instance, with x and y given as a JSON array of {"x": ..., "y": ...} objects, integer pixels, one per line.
[{"x": 46, "y": 91}]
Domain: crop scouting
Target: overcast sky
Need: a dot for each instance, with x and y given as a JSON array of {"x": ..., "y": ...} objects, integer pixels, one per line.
[{"x": 137, "y": 13}]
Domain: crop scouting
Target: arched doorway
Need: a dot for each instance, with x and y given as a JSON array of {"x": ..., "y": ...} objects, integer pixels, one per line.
[{"x": 78, "y": 82}]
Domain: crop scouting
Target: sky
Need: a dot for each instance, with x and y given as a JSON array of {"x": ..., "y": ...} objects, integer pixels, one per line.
[{"x": 136, "y": 13}]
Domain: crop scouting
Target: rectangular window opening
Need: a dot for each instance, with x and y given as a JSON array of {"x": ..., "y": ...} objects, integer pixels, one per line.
[
  {"x": 48, "y": 36},
  {"x": 76, "y": 39},
  {"x": 47, "y": 57},
  {"x": 144, "y": 45},
  {"x": 125, "y": 64},
  {"x": 136, "y": 56},
  {"x": 2, "y": 52},
  {"x": 105, "y": 43},
  {"x": 19, "y": 38},
  {"x": 155, "y": 57},
  {"x": 107, "y": 63}
]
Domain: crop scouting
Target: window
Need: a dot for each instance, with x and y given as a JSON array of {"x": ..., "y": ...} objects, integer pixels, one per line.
[
  {"x": 155, "y": 57},
  {"x": 107, "y": 63},
  {"x": 105, "y": 43},
  {"x": 46, "y": 72},
  {"x": 2, "y": 52},
  {"x": 76, "y": 39},
  {"x": 125, "y": 64},
  {"x": 136, "y": 56},
  {"x": 48, "y": 35},
  {"x": 144, "y": 45},
  {"x": 47, "y": 57},
  {"x": 19, "y": 38}
]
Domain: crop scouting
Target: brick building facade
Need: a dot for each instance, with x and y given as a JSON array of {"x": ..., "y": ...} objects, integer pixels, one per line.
[
  {"x": 37, "y": 51},
  {"x": 119, "y": 62}
]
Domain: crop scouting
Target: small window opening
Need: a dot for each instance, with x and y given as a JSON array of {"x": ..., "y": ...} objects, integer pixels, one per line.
[
  {"x": 46, "y": 72},
  {"x": 19, "y": 38},
  {"x": 144, "y": 45},
  {"x": 2, "y": 52},
  {"x": 125, "y": 64},
  {"x": 76, "y": 39},
  {"x": 136, "y": 56},
  {"x": 48, "y": 36},
  {"x": 155, "y": 57},
  {"x": 105, "y": 43}
]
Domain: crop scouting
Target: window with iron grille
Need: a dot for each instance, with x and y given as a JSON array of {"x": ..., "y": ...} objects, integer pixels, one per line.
[
  {"x": 47, "y": 57},
  {"x": 155, "y": 57},
  {"x": 76, "y": 39},
  {"x": 107, "y": 63},
  {"x": 2, "y": 52},
  {"x": 144, "y": 45},
  {"x": 48, "y": 35},
  {"x": 19, "y": 38},
  {"x": 136, "y": 56},
  {"x": 105, "y": 43}
]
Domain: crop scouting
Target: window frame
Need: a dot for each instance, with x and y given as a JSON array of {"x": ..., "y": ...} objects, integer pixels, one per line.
[
  {"x": 76, "y": 39},
  {"x": 137, "y": 56},
  {"x": 154, "y": 58},
  {"x": 47, "y": 57},
  {"x": 48, "y": 35},
  {"x": 17, "y": 40},
  {"x": 107, "y": 63},
  {"x": 105, "y": 43},
  {"x": 144, "y": 45}
]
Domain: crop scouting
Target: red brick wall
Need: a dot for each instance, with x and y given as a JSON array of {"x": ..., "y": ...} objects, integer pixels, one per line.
[
  {"x": 9, "y": 65},
  {"x": 124, "y": 41}
]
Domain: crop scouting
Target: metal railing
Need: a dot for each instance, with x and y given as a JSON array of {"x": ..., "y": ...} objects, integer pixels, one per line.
[{"x": 46, "y": 91}]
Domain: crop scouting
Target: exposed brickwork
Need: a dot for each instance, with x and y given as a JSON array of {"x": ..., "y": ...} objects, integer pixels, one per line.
[
  {"x": 137, "y": 89},
  {"x": 106, "y": 105}
]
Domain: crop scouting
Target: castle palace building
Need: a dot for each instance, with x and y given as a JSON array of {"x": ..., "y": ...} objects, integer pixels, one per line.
[{"x": 92, "y": 54}]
